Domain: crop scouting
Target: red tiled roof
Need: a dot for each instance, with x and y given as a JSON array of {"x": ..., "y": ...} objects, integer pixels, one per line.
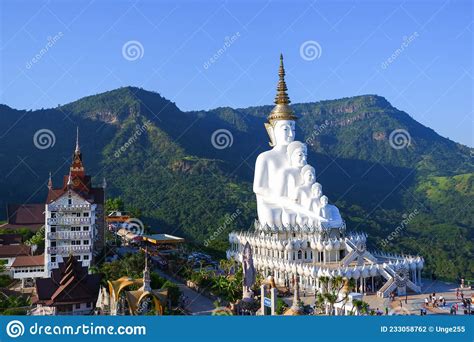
[
  {"x": 28, "y": 260},
  {"x": 32, "y": 227},
  {"x": 25, "y": 214},
  {"x": 9, "y": 251},
  {"x": 95, "y": 195},
  {"x": 70, "y": 283},
  {"x": 10, "y": 239}
]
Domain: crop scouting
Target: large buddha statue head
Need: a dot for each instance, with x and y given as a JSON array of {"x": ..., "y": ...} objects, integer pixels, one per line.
[{"x": 281, "y": 121}]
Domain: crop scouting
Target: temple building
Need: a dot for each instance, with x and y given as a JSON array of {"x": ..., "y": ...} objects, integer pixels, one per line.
[
  {"x": 74, "y": 217},
  {"x": 298, "y": 234},
  {"x": 69, "y": 291}
]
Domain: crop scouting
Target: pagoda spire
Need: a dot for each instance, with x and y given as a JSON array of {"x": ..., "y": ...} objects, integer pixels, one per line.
[
  {"x": 282, "y": 109},
  {"x": 282, "y": 95},
  {"x": 146, "y": 274},
  {"x": 77, "y": 150},
  {"x": 50, "y": 181}
]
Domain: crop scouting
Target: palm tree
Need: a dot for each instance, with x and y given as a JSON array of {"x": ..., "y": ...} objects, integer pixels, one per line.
[
  {"x": 331, "y": 294},
  {"x": 360, "y": 305}
]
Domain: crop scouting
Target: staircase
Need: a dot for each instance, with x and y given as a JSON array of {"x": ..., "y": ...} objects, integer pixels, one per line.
[
  {"x": 388, "y": 273},
  {"x": 388, "y": 287}
]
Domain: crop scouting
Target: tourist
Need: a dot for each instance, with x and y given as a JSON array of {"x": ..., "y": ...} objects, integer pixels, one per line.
[
  {"x": 457, "y": 293},
  {"x": 426, "y": 301},
  {"x": 401, "y": 304},
  {"x": 386, "y": 311}
]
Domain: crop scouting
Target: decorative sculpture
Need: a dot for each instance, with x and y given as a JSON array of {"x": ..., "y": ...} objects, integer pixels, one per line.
[{"x": 249, "y": 273}]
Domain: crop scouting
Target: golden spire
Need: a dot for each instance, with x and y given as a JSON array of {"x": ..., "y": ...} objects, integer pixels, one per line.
[{"x": 282, "y": 109}]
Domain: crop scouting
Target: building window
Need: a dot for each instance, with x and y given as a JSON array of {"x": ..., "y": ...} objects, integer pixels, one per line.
[
  {"x": 86, "y": 214},
  {"x": 53, "y": 229},
  {"x": 78, "y": 306},
  {"x": 305, "y": 255},
  {"x": 86, "y": 242},
  {"x": 75, "y": 229},
  {"x": 75, "y": 242},
  {"x": 89, "y": 304},
  {"x": 86, "y": 257},
  {"x": 53, "y": 214},
  {"x": 53, "y": 243},
  {"x": 53, "y": 259},
  {"x": 85, "y": 228},
  {"x": 69, "y": 201},
  {"x": 300, "y": 255}
]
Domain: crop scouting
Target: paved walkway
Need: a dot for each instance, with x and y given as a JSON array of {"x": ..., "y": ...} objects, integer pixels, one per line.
[
  {"x": 196, "y": 303},
  {"x": 414, "y": 302}
]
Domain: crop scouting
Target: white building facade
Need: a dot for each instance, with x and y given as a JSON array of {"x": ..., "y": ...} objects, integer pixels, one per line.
[{"x": 70, "y": 229}]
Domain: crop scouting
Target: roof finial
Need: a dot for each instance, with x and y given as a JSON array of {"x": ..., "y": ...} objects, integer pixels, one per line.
[
  {"x": 77, "y": 140},
  {"x": 282, "y": 110},
  {"x": 282, "y": 96},
  {"x": 146, "y": 273},
  {"x": 69, "y": 180},
  {"x": 50, "y": 182}
]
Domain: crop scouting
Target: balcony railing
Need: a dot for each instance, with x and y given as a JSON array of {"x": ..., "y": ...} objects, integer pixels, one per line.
[
  {"x": 69, "y": 220},
  {"x": 74, "y": 207},
  {"x": 65, "y": 250},
  {"x": 68, "y": 235}
]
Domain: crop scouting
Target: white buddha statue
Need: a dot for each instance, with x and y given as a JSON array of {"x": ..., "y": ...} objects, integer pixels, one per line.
[
  {"x": 315, "y": 206},
  {"x": 303, "y": 192},
  {"x": 277, "y": 172},
  {"x": 268, "y": 179},
  {"x": 291, "y": 179},
  {"x": 330, "y": 215}
]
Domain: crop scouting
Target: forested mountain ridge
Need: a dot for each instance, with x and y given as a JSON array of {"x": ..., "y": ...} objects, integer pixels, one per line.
[{"x": 162, "y": 161}]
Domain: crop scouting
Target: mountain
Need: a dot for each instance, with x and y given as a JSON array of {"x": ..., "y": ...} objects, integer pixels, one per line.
[{"x": 166, "y": 163}]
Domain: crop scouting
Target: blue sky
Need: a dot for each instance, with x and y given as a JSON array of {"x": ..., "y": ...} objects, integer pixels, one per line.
[{"x": 418, "y": 55}]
